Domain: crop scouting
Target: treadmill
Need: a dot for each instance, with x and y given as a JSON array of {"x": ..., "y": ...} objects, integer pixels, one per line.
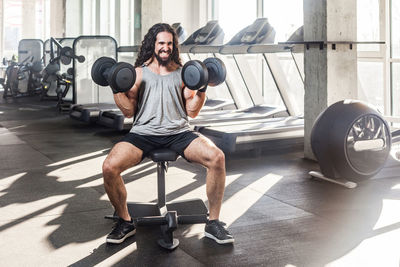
[
  {"x": 260, "y": 33},
  {"x": 240, "y": 133},
  {"x": 245, "y": 135},
  {"x": 210, "y": 34}
]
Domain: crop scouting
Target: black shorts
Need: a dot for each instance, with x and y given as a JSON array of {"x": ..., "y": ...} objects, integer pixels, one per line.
[{"x": 147, "y": 143}]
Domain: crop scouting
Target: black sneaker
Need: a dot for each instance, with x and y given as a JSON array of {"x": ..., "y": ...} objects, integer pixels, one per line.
[
  {"x": 215, "y": 230},
  {"x": 121, "y": 231}
]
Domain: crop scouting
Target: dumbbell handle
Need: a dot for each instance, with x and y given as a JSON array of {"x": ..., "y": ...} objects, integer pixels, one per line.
[{"x": 105, "y": 73}]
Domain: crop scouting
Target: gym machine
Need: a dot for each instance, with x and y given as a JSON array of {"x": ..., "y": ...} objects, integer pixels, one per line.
[
  {"x": 351, "y": 141},
  {"x": 53, "y": 77}
]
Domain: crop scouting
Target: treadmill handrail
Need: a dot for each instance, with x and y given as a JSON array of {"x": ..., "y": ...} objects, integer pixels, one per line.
[{"x": 239, "y": 49}]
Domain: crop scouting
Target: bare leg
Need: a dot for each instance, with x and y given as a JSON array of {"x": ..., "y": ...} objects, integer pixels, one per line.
[
  {"x": 123, "y": 156},
  {"x": 205, "y": 152}
]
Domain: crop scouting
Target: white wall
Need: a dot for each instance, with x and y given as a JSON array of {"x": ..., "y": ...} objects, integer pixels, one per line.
[
  {"x": 57, "y": 18},
  {"x": 73, "y": 18},
  {"x": 1, "y": 31}
]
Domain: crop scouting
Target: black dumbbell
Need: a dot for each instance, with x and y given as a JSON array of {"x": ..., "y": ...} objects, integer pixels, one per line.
[
  {"x": 196, "y": 74},
  {"x": 119, "y": 76}
]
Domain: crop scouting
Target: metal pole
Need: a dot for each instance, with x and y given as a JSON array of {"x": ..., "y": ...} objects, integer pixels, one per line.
[{"x": 161, "y": 166}]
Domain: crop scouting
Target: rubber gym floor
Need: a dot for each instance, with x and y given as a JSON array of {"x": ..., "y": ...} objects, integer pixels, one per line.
[{"x": 52, "y": 203}]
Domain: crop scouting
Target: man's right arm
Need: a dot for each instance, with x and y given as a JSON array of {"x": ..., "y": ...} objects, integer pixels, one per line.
[{"x": 127, "y": 102}]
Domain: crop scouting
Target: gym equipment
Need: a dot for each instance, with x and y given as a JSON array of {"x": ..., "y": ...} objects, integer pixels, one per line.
[
  {"x": 22, "y": 79},
  {"x": 28, "y": 48},
  {"x": 180, "y": 31},
  {"x": 30, "y": 56},
  {"x": 67, "y": 54},
  {"x": 119, "y": 76},
  {"x": 196, "y": 74},
  {"x": 167, "y": 215},
  {"x": 259, "y": 32},
  {"x": 89, "y": 98},
  {"x": 52, "y": 76},
  {"x": 256, "y": 122},
  {"x": 351, "y": 141},
  {"x": 210, "y": 34}
]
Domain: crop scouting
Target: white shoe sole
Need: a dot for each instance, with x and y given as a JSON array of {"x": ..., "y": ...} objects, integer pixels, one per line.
[
  {"x": 226, "y": 241},
  {"x": 119, "y": 241}
]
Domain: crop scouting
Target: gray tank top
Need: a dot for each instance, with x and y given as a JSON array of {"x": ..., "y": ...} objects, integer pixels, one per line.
[{"x": 160, "y": 107}]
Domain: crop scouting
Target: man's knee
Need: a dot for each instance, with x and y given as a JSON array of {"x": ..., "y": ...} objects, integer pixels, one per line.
[
  {"x": 110, "y": 170},
  {"x": 217, "y": 159}
]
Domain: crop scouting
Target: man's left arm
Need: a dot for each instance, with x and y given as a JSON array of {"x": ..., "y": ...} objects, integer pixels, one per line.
[{"x": 194, "y": 101}]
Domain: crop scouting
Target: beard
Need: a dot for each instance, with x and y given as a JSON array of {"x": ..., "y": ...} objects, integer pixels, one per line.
[{"x": 163, "y": 62}]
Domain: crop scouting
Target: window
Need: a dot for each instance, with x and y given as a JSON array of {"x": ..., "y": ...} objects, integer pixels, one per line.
[
  {"x": 240, "y": 14},
  {"x": 286, "y": 16},
  {"x": 395, "y": 29},
  {"x": 12, "y": 26},
  {"x": 368, "y": 24},
  {"x": 371, "y": 86},
  {"x": 126, "y": 23}
]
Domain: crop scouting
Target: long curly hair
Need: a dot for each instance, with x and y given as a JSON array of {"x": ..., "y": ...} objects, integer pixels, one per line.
[{"x": 148, "y": 44}]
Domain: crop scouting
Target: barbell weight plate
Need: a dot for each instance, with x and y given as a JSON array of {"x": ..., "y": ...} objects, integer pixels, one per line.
[
  {"x": 52, "y": 68},
  {"x": 194, "y": 74},
  {"x": 37, "y": 67},
  {"x": 122, "y": 77},
  {"x": 216, "y": 71},
  {"x": 66, "y": 55},
  {"x": 99, "y": 70},
  {"x": 70, "y": 71},
  {"x": 81, "y": 59}
]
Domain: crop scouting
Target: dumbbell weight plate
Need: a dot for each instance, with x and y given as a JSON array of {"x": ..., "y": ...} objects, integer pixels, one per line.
[
  {"x": 99, "y": 68},
  {"x": 122, "y": 77},
  {"x": 194, "y": 74},
  {"x": 216, "y": 71}
]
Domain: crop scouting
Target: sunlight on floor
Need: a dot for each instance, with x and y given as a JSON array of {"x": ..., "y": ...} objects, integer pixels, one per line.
[
  {"x": 17, "y": 127},
  {"x": 81, "y": 157},
  {"x": 11, "y": 179},
  {"x": 19, "y": 212},
  {"x": 115, "y": 258},
  {"x": 99, "y": 181},
  {"x": 390, "y": 213},
  {"x": 201, "y": 190},
  {"x": 382, "y": 248},
  {"x": 236, "y": 203},
  {"x": 397, "y": 186},
  {"x": 79, "y": 170}
]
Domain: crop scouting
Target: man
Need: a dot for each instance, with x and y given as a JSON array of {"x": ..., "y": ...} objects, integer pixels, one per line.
[{"x": 161, "y": 105}]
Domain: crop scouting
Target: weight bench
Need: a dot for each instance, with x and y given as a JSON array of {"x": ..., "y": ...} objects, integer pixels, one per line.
[{"x": 167, "y": 215}]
